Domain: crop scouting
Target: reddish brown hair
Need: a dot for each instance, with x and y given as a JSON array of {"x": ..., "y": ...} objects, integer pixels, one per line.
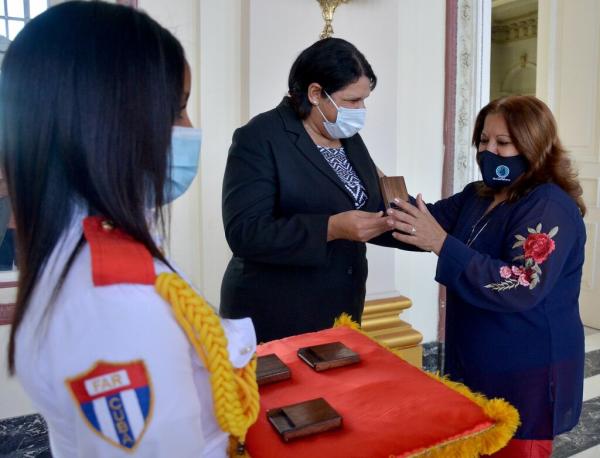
[{"x": 533, "y": 131}]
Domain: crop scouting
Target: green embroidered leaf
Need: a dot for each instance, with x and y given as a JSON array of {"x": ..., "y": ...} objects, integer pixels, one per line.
[
  {"x": 553, "y": 232},
  {"x": 538, "y": 228},
  {"x": 534, "y": 283},
  {"x": 503, "y": 286},
  {"x": 518, "y": 243},
  {"x": 531, "y": 231},
  {"x": 529, "y": 262},
  {"x": 536, "y": 268},
  {"x": 517, "y": 258},
  {"x": 520, "y": 237},
  {"x": 534, "y": 275}
]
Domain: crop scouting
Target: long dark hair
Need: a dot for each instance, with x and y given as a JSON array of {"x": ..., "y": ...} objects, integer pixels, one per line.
[
  {"x": 333, "y": 63},
  {"x": 533, "y": 131},
  {"x": 89, "y": 92}
]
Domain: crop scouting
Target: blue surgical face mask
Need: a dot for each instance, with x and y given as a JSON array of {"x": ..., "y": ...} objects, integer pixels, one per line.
[
  {"x": 499, "y": 172},
  {"x": 347, "y": 122},
  {"x": 185, "y": 156}
]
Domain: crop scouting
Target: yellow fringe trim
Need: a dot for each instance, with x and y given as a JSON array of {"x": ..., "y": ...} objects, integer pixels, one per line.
[
  {"x": 235, "y": 391},
  {"x": 487, "y": 441},
  {"x": 346, "y": 320}
]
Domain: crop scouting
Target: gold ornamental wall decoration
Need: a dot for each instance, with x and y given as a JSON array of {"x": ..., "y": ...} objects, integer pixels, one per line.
[{"x": 328, "y": 8}]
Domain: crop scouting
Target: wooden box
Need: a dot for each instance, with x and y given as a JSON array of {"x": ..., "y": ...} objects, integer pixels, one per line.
[
  {"x": 327, "y": 356},
  {"x": 304, "y": 418},
  {"x": 391, "y": 188},
  {"x": 269, "y": 369}
]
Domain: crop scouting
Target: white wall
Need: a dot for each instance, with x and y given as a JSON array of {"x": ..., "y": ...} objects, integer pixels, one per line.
[
  {"x": 569, "y": 82},
  {"x": 420, "y": 107},
  {"x": 212, "y": 34},
  {"x": 13, "y": 400},
  {"x": 181, "y": 17}
]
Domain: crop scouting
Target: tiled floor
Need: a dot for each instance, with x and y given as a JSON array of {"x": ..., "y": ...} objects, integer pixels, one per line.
[
  {"x": 584, "y": 440},
  {"x": 26, "y": 437}
]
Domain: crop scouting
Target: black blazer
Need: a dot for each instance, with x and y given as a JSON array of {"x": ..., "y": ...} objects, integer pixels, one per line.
[{"x": 278, "y": 194}]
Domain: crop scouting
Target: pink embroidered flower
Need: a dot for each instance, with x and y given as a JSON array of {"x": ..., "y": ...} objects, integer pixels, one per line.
[
  {"x": 538, "y": 247},
  {"x": 505, "y": 272},
  {"x": 517, "y": 271},
  {"x": 524, "y": 279}
]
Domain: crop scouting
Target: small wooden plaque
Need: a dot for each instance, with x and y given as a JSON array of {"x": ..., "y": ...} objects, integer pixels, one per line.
[
  {"x": 269, "y": 369},
  {"x": 304, "y": 418},
  {"x": 391, "y": 188},
  {"x": 327, "y": 356}
]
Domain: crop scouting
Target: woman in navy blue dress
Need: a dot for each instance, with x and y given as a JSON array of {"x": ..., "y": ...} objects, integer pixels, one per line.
[{"x": 511, "y": 251}]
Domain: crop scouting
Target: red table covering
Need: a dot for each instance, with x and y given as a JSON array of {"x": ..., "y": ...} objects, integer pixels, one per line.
[{"x": 389, "y": 407}]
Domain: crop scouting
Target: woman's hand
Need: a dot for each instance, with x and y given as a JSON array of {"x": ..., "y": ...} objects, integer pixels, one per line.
[
  {"x": 418, "y": 227},
  {"x": 357, "y": 225}
]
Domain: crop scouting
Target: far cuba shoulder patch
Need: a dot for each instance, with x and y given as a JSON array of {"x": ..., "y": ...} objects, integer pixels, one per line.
[{"x": 115, "y": 400}]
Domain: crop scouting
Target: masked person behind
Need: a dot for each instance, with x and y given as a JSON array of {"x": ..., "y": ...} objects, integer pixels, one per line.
[
  {"x": 300, "y": 199},
  {"x": 511, "y": 252},
  {"x": 111, "y": 345}
]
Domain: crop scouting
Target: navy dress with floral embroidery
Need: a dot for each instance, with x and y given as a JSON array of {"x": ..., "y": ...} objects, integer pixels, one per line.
[{"x": 513, "y": 328}]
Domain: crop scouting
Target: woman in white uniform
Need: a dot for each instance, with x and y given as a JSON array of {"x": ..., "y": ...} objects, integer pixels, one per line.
[{"x": 115, "y": 350}]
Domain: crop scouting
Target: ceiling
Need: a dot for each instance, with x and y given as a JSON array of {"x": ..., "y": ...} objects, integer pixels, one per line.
[{"x": 503, "y": 10}]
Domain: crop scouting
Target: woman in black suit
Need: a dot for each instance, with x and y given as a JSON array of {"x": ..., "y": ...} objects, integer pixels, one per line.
[{"x": 300, "y": 199}]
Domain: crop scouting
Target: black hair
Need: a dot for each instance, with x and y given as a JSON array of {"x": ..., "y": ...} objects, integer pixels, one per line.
[
  {"x": 89, "y": 92},
  {"x": 333, "y": 63}
]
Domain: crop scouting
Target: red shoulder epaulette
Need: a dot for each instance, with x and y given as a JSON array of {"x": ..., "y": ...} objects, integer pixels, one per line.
[{"x": 116, "y": 256}]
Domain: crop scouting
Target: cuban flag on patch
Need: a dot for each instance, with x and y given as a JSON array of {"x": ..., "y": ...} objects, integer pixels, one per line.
[{"x": 115, "y": 400}]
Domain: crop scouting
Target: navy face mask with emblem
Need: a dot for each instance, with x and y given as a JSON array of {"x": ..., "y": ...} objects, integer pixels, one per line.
[{"x": 499, "y": 172}]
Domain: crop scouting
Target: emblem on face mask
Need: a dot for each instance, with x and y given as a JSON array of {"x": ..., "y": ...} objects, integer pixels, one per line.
[
  {"x": 502, "y": 172},
  {"x": 497, "y": 171}
]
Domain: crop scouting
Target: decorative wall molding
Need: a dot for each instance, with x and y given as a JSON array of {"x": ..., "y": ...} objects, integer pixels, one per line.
[
  {"x": 450, "y": 65},
  {"x": 515, "y": 29},
  {"x": 464, "y": 85},
  {"x": 472, "y": 84}
]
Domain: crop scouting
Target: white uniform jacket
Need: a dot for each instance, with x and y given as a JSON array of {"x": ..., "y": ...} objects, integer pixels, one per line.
[{"x": 110, "y": 369}]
